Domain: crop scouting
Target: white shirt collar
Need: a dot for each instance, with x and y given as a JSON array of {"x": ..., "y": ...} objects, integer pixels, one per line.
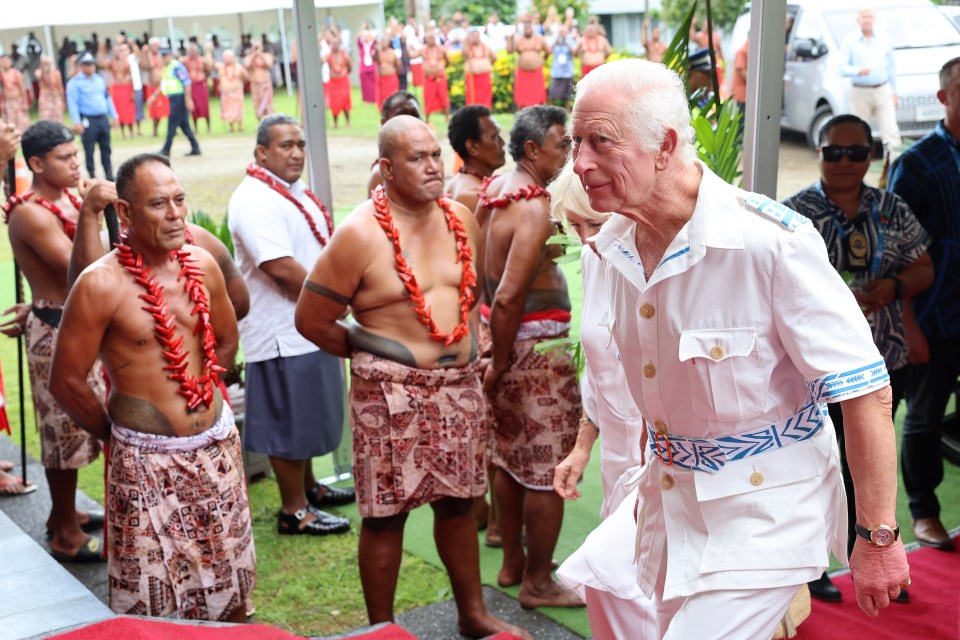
[{"x": 296, "y": 188}]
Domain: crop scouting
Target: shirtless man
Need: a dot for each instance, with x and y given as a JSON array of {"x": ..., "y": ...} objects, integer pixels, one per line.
[
  {"x": 436, "y": 93},
  {"x": 428, "y": 351},
  {"x": 535, "y": 397},
  {"x": 593, "y": 50},
  {"x": 475, "y": 136},
  {"x": 398, "y": 104},
  {"x": 258, "y": 64},
  {"x": 478, "y": 61},
  {"x": 151, "y": 67},
  {"x": 528, "y": 84},
  {"x": 199, "y": 68},
  {"x": 157, "y": 312},
  {"x": 121, "y": 89},
  {"x": 338, "y": 89},
  {"x": 16, "y": 100},
  {"x": 42, "y": 222},
  {"x": 654, "y": 46},
  {"x": 388, "y": 71}
]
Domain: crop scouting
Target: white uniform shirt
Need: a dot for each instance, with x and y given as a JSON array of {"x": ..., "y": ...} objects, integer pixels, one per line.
[
  {"x": 134, "y": 61},
  {"x": 742, "y": 324},
  {"x": 606, "y": 397},
  {"x": 266, "y": 226}
]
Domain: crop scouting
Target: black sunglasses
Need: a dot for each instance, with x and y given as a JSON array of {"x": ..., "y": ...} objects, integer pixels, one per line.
[{"x": 834, "y": 152}]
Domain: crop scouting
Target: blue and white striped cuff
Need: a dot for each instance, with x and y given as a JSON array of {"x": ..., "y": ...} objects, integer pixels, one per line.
[{"x": 856, "y": 382}]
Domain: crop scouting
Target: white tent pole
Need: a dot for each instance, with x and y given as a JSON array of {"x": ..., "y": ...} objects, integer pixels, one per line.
[
  {"x": 310, "y": 84},
  {"x": 288, "y": 79},
  {"x": 761, "y": 142},
  {"x": 173, "y": 35},
  {"x": 48, "y": 39}
]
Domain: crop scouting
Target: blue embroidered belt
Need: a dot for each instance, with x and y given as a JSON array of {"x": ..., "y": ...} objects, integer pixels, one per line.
[{"x": 711, "y": 454}]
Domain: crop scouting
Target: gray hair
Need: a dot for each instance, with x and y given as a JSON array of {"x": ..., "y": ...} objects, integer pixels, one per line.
[
  {"x": 268, "y": 123},
  {"x": 945, "y": 72},
  {"x": 657, "y": 102},
  {"x": 533, "y": 123}
]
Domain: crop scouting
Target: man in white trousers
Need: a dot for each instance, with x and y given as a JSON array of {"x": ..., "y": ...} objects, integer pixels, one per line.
[{"x": 732, "y": 328}]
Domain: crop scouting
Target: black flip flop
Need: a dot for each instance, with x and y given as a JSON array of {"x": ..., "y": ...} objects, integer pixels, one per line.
[
  {"x": 93, "y": 525},
  {"x": 88, "y": 553}
]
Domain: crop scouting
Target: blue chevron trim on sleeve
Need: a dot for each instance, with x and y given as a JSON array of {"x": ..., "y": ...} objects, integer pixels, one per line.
[
  {"x": 786, "y": 216},
  {"x": 836, "y": 386}
]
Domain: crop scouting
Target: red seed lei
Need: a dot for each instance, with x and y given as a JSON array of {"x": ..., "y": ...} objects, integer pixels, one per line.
[
  {"x": 257, "y": 172},
  {"x": 468, "y": 279},
  {"x": 69, "y": 226},
  {"x": 470, "y": 172},
  {"x": 197, "y": 390},
  {"x": 528, "y": 192}
]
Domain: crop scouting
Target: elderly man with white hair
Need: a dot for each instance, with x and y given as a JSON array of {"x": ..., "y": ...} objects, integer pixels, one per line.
[{"x": 733, "y": 329}]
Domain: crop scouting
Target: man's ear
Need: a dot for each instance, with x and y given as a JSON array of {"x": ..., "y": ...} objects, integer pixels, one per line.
[
  {"x": 472, "y": 148},
  {"x": 35, "y": 164},
  {"x": 942, "y": 96},
  {"x": 386, "y": 169},
  {"x": 531, "y": 150},
  {"x": 124, "y": 211},
  {"x": 667, "y": 149}
]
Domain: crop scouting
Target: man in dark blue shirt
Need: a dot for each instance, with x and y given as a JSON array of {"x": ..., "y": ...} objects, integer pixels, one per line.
[
  {"x": 927, "y": 176},
  {"x": 92, "y": 111}
]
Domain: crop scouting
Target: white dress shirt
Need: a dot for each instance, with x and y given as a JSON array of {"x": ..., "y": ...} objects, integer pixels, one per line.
[{"x": 266, "y": 226}]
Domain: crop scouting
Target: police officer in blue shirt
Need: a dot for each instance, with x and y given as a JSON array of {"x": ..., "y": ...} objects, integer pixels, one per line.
[
  {"x": 175, "y": 84},
  {"x": 92, "y": 112}
]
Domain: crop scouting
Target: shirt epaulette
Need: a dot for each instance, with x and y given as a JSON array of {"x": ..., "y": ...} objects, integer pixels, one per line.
[{"x": 770, "y": 208}]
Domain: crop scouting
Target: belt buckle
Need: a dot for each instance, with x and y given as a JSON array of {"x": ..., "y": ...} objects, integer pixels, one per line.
[{"x": 664, "y": 449}]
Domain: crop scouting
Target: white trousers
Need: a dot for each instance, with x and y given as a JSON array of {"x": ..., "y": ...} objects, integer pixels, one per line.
[
  {"x": 735, "y": 614},
  {"x": 875, "y": 105},
  {"x": 613, "y": 618}
]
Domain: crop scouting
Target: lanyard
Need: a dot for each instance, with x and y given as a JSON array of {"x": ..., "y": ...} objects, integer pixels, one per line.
[
  {"x": 875, "y": 215},
  {"x": 954, "y": 147}
]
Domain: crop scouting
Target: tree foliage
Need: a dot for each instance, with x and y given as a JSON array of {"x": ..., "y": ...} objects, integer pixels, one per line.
[{"x": 725, "y": 12}]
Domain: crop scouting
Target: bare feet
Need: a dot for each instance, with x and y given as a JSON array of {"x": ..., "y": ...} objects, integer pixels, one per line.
[
  {"x": 554, "y": 595},
  {"x": 509, "y": 576},
  {"x": 487, "y": 625},
  {"x": 492, "y": 538}
]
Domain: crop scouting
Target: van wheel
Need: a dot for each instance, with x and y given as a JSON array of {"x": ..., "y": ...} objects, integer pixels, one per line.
[{"x": 820, "y": 117}]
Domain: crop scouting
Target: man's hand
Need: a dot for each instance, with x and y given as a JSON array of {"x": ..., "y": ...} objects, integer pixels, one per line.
[
  {"x": 9, "y": 142},
  {"x": 78, "y": 129},
  {"x": 878, "y": 574},
  {"x": 114, "y": 123},
  {"x": 864, "y": 71},
  {"x": 490, "y": 379},
  {"x": 568, "y": 473},
  {"x": 97, "y": 194},
  {"x": 15, "y": 326},
  {"x": 189, "y": 102},
  {"x": 876, "y": 294}
]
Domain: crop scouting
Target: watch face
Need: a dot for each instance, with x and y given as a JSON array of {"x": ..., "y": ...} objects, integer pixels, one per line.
[{"x": 882, "y": 537}]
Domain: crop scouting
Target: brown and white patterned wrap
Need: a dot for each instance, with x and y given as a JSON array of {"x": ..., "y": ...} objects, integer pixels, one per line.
[
  {"x": 536, "y": 407},
  {"x": 418, "y": 434},
  {"x": 63, "y": 444},
  {"x": 179, "y": 531}
]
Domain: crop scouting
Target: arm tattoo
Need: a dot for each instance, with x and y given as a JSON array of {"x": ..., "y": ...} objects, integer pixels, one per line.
[
  {"x": 319, "y": 289},
  {"x": 228, "y": 267},
  {"x": 362, "y": 340}
]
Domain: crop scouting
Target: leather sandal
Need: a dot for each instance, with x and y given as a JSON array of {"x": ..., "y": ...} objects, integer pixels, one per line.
[
  {"x": 322, "y": 524},
  {"x": 88, "y": 553},
  {"x": 93, "y": 525},
  {"x": 321, "y": 495}
]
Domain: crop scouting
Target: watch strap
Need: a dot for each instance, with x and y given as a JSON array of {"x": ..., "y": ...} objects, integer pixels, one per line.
[{"x": 901, "y": 288}]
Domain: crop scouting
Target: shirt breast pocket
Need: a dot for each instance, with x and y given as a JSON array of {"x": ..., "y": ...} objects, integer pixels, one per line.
[{"x": 723, "y": 369}]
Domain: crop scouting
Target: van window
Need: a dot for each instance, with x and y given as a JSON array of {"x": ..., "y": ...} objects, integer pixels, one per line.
[
  {"x": 907, "y": 27},
  {"x": 805, "y": 29}
]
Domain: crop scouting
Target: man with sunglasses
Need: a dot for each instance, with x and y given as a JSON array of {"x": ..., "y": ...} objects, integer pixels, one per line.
[
  {"x": 879, "y": 246},
  {"x": 927, "y": 176}
]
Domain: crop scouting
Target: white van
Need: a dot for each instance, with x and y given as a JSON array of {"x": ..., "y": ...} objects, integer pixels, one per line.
[{"x": 814, "y": 89}]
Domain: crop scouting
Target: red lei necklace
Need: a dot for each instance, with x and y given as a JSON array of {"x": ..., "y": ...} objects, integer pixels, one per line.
[
  {"x": 528, "y": 192},
  {"x": 468, "y": 278},
  {"x": 69, "y": 226},
  {"x": 197, "y": 390},
  {"x": 257, "y": 172}
]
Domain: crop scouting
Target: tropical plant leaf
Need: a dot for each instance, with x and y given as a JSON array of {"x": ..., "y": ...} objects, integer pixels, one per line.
[{"x": 677, "y": 55}]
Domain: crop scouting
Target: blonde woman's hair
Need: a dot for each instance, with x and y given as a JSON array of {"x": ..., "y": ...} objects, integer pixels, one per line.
[{"x": 567, "y": 195}]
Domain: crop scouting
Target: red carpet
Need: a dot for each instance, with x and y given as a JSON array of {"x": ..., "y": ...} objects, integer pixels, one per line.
[
  {"x": 139, "y": 629},
  {"x": 933, "y": 612}
]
